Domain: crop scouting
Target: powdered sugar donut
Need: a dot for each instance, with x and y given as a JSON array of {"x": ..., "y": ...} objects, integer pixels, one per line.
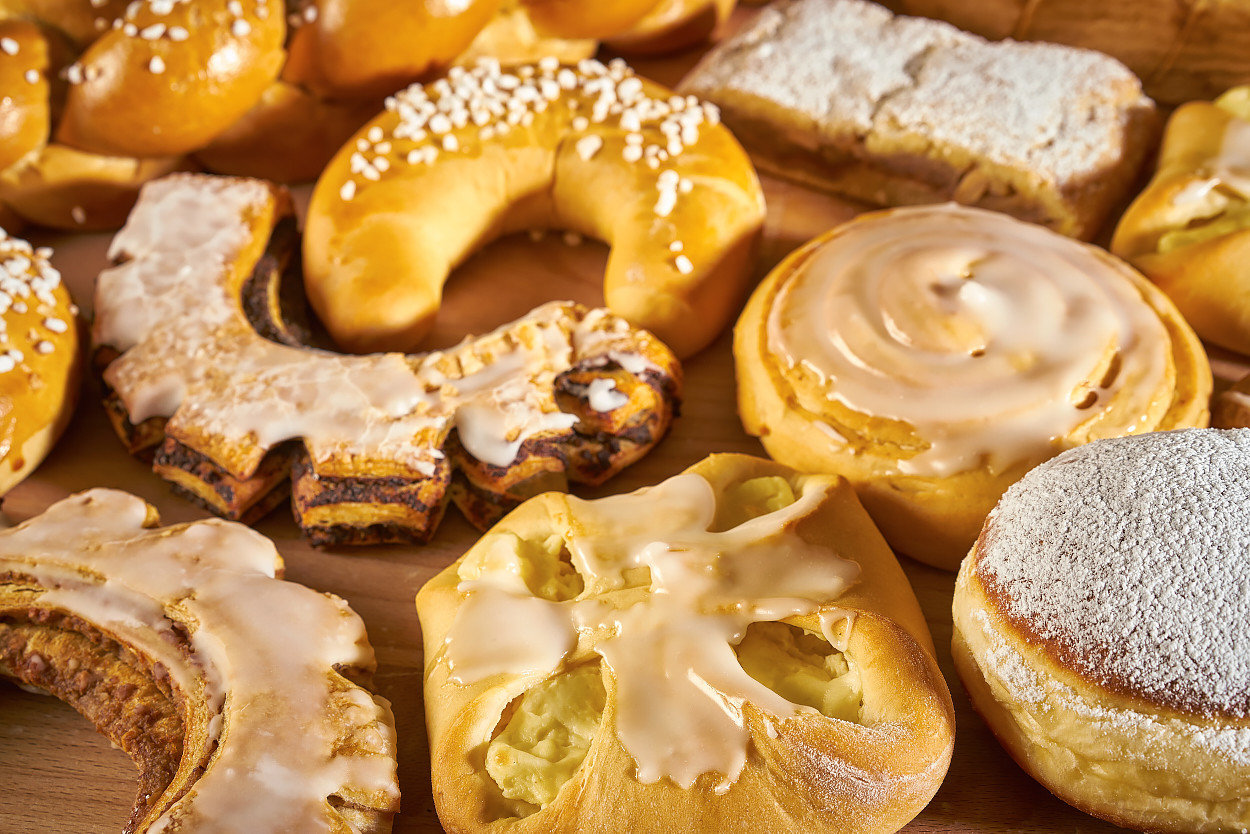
[{"x": 1100, "y": 628}]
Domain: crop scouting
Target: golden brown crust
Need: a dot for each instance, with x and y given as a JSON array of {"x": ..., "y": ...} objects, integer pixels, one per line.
[
  {"x": 931, "y": 518},
  {"x": 810, "y": 772},
  {"x": 682, "y": 227},
  {"x": 1197, "y": 188},
  {"x": 673, "y": 25}
]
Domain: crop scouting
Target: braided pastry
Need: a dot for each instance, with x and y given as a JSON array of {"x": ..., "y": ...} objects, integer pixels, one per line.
[{"x": 375, "y": 445}]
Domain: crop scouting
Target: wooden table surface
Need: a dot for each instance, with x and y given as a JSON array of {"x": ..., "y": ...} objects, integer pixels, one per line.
[{"x": 57, "y": 774}]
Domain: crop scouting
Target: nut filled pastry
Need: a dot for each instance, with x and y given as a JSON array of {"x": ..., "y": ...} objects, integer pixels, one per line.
[
  {"x": 203, "y": 368},
  {"x": 933, "y": 355},
  {"x": 1100, "y": 629},
  {"x": 236, "y": 694},
  {"x": 1189, "y": 230},
  {"x": 845, "y": 96},
  {"x": 733, "y": 649}
]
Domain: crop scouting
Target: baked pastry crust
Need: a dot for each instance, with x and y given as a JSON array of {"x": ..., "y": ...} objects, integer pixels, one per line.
[
  {"x": 1098, "y": 629},
  {"x": 1181, "y": 50},
  {"x": 683, "y": 735},
  {"x": 933, "y": 355},
  {"x": 235, "y": 693},
  {"x": 39, "y": 358},
  {"x": 201, "y": 366},
  {"x": 844, "y": 96},
  {"x": 1189, "y": 230},
  {"x": 589, "y": 148}
]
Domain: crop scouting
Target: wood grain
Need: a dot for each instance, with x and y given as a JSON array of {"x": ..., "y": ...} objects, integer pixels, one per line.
[{"x": 57, "y": 774}]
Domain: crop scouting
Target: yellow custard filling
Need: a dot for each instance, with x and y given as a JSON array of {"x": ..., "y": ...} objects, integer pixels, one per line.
[
  {"x": 744, "y": 501},
  {"x": 545, "y": 740},
  {"x": 802, "y": 668}
]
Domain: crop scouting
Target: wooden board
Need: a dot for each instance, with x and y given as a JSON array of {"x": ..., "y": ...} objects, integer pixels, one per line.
[{"x": 57, "y": 774}]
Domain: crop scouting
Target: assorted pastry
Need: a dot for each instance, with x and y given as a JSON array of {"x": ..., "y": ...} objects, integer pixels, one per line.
[
  {"x": 1100, "y": 628},
  {"x": 202, "y": 368},
  {"x": 892, "y": 110},
  {"x": 933, "y": 355},
  {"x": 237, "y": 695},
  {"x": 39, "y": 358},
  {"x": 736, "y": 647},
  {"x": 1189, "y": 231}
]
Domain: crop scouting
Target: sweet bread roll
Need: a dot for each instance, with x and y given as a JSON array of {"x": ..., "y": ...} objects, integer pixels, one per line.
[
  {"x": 202, "y": 366},
  {"x": 366, "y": 49},
  {"x": 843, "y": 95},
  {"x": 39, "y": 358},
  {"x": 512, "y": 39},
  {"x": 732, "y": 649},
  {"x": 1189, "y": 231},
  {"x": 933, "y": 355},
  {"x": 1182, "y": 50},
  {"x": 673, "y": 25},
  {"x": 586, "y": 18},
  {"x": 236, "y": 694},
  {"x": 1100, "y": 629},
  {"x": 63, "y": 188},
  {"x": 592, "y": 149}
]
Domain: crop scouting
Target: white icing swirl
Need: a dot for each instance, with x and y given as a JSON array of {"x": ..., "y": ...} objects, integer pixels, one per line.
[{"x": 991, "y": 337}]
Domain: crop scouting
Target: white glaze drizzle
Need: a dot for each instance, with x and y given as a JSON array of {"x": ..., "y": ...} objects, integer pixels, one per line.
[
  {"x": 980, "y": 331},
  {"x": 260, "y": 658},
  {"x": 189, "y": 354},
  {"x": 669, "y": 644}
]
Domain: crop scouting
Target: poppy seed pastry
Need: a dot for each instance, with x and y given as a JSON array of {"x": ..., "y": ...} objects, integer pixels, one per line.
[
  {"x": 893, "y": 110},
  {"x": 734, "y": 648},
  {"x": 932, "y": 355},
  {"x": 202, "y": 367},
  {"x": 1100, "y": 628},
  {"x": 236, "y": 694}
]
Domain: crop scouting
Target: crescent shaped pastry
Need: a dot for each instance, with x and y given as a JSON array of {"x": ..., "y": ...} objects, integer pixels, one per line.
[
  {"x": 589, "y": 148},
  {"x": 375, "y": 446},
  {"x": 1189, "y": 230},
  {"x": 39, "y": 358},
  {"x": 734, "y": 648},
  {"x": 1100, "y": 629},
  {"x": 232, "y": 691},
  {"x": 933, "y": 355}
]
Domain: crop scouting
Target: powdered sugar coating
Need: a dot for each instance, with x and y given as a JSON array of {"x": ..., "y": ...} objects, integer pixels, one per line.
[
  {"x": 855, "y": 69},
  {"x": 1131, "y": 559}
]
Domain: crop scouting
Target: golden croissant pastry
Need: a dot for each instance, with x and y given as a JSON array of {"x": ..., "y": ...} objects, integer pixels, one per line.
[
  {"x": 1189, "y": 231},
  {"x": 201, "y": 366},
  {"x": 734, "y": 648},
  {"x": 933, "y": 355},
  {"x": 1100, "y": 628},
  {"x": 235, "y": 693}
]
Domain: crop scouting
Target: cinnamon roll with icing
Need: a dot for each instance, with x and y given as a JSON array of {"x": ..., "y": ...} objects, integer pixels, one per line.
[{"x": 933, "y": 355}]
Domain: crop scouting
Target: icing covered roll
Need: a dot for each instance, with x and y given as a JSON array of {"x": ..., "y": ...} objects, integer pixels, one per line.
[
  {"x": 1100, "y": 628},
  {"x": 236, "y": 694},
  {"x": 39, "y": 358},
  {"x": 589, "y": 148},
  {"x": 205, "y": 364},
  {"x": 934, "y": 355},
  {"x": 735, "y": 648},
  {"x": 1189, "y": 230}
]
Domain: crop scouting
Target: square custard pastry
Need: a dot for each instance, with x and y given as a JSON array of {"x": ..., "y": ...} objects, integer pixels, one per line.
[
  {"x": 734, "y": 649},
  {"x": 893, "y": 110}
]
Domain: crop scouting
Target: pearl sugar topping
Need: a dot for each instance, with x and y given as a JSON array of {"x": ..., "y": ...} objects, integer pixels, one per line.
[{"x": 27, "y": 280}]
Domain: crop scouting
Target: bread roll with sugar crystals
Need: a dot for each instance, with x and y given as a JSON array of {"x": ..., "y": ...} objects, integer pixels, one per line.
[
  {"x": 734, "y": 649},
  {"x": 845, "y": 96},
  {"x": 1100, "y": 628},
  {"x": 590, "y": 148},
  {"x": 933, "y": 355}
]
